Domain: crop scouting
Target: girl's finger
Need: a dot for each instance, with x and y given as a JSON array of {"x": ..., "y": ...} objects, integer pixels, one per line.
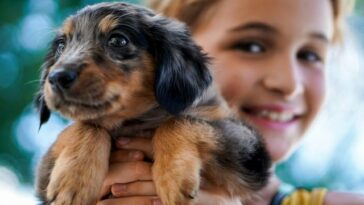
[
  {"x": 123, "y": 173},
  {"x": 140, "y": 188},
  {"x": 122, "y": 155},
  {"x": 136, "y": 143},
  {"x": 148, "y": 200}
]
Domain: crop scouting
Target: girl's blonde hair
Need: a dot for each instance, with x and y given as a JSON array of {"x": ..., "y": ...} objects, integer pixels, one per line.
[{"x": 192, "y": 12}]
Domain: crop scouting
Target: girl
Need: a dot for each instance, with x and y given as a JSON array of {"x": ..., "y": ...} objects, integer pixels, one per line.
[{"x": 269, "y": 63}]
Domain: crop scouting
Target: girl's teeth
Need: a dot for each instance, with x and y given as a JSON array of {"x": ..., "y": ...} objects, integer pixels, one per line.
[{"x": 276, "y": 116}]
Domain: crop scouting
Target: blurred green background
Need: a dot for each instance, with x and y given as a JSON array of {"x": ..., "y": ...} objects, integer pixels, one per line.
[{"x": 331, "y": 155}]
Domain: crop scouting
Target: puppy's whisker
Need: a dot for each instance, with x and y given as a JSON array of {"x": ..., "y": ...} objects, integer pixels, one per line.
[{"x": 32, "y": 81}]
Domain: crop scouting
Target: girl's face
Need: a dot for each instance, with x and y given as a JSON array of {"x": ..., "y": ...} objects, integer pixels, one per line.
[{"x": 269, "y": 62}]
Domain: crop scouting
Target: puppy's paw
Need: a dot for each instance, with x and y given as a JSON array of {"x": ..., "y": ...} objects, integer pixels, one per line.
[
  {"x": 189, "y": 188},
  {"x": 177, "y": 190},
  {"x": 71, "y": 190}
]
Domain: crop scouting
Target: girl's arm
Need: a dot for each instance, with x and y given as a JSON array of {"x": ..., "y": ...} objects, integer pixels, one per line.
[{"x": 342, "y": 198}]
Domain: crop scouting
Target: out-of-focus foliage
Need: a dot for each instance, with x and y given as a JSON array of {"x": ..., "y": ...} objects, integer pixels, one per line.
[
  {"x": 359, "y": 7},
  {"x": 26, "y": 27}
]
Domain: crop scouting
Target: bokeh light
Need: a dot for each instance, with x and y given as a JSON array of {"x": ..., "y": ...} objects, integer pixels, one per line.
[
  {"x": 12, "y": 192},
  {"x": 35, "y": 29},
  {"x": 9, "y": 69}
]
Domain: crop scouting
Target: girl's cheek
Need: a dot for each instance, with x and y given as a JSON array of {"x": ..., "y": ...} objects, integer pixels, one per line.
[
  {"x": 226, "y": 87},
  {"x": 315, "y": 94},
  {"x": 227, "y": 81}
]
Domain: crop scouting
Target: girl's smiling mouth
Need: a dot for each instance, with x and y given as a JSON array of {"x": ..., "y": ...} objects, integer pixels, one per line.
[{"x": 272, "y": 116}]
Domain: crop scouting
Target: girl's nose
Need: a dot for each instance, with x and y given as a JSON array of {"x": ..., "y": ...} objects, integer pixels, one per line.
[{"x": 284, "y": 77}]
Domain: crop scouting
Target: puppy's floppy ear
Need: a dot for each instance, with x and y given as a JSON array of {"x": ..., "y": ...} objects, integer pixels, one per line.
[
  {"x": 44, "y": 112},
  {"x": 181, "y": 68},
  {"x": 39, "y": 102}
]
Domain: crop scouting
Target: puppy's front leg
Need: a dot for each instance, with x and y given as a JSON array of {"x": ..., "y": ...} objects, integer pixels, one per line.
[
  {"x": 81, "y": 166},
  {"x": 177, "y": 165}
]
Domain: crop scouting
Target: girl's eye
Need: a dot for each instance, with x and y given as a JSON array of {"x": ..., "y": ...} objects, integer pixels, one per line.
[
  {"x": 250, "y": 47},
  {"x": 117, "y": 41},
  {"x": 309, "y": 56}
]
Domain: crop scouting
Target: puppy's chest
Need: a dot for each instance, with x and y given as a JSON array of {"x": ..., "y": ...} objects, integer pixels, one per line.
[{"x": 142, "y": 126}]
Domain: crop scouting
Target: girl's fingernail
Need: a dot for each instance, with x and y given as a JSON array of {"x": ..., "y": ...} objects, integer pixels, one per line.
[
  {"x": 136, "y": 155},
  {"x": 123, "y": 141},
  {"x": 157, "y": 202},
  {"x": 119, "y": 188}
]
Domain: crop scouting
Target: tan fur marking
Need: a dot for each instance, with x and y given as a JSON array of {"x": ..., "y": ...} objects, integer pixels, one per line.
[
  {"x": 107, "y": 23},
  {"x": 178, "y": 146},
  {"x": 68, "y": 27}
]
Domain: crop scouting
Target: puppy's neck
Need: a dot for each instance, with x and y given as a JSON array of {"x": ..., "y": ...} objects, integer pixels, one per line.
[{"x": 118, "y": 126}]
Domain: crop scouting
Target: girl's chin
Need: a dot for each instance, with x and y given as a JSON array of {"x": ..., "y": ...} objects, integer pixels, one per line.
[{"x": 279, "y": 147}]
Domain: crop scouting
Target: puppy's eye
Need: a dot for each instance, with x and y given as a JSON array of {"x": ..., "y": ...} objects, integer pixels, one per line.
[
  {"x": 61, "y": 44},
  {"x": 117, "y": 40}
]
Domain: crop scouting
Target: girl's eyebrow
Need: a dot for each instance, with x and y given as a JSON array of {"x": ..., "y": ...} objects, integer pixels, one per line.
[
  {"x": 263, "y": 27},
  {"x": 268, "y": 29}
]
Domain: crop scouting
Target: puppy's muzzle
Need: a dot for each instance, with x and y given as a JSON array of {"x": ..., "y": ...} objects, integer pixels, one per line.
[{"x": 62, "y": 79}]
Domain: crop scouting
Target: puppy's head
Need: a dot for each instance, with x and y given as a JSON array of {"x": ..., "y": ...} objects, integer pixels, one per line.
[{"x": 116, "y": 59}]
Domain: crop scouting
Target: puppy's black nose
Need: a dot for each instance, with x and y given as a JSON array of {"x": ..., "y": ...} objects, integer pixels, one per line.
[{"x": 62, "y": 78}]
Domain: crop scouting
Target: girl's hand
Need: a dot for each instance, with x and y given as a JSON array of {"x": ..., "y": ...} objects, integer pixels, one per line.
[{"x": 129, "y": 179}]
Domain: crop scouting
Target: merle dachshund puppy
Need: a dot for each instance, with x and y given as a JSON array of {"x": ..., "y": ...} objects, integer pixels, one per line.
[{"x": 116, "y": 69}]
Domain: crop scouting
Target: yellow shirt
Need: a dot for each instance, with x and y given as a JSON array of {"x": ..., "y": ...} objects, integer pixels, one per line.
[{"x": 301, "y": 197}]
